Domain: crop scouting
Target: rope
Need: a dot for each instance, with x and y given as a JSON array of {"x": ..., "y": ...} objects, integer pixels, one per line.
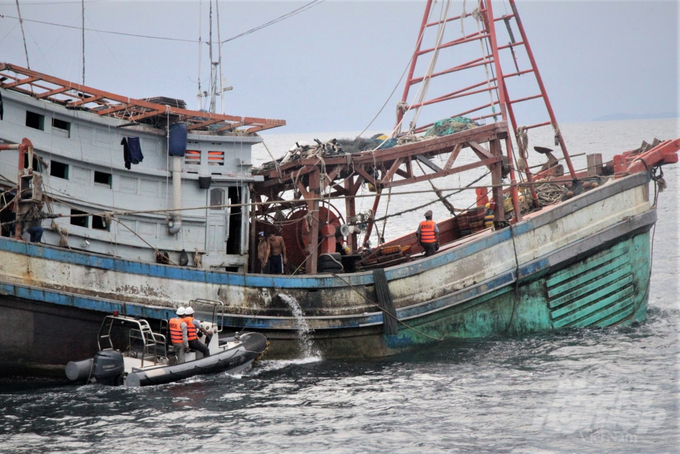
[
  {"x": 229, "y": 205},
  {"x": 477, "y": 15},
  {"x": 306, "y": 258},
  {"x": 659, "y": 186},
  {"x": 433, "y": 61},
  {"x": 400, "y": 105},
  {"x": 522, "y": 146},
  {"x": 459, "y": 190},
  {"x": 381, "y": 238},
  {"x": 276, "y": 163},
  {"x": 438, "y": 192},
  {"x": 23, "y": 34},
  {"x": 372, "y": 303}
]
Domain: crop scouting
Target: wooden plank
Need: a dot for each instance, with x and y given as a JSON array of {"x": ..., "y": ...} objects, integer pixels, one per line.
[
  {"x": 152, "y": 113},
  {"x": 589, "y": 314},
  {"x": 611, "y": 287},
  {"x": 392, "y": 170},
  {"x": 56, "y": 91},
  {"x": 203, "y": 124},
  {"x": 361, "y": 171},
  {"x": 428, "y": 163},
  {"x": 443, "y": 173},
  {"x": 454, "y": 156},
  {"x": 85, "y": 101},
  {"x": 482, "y": 152},
  {"x": 18, "y": 82}
]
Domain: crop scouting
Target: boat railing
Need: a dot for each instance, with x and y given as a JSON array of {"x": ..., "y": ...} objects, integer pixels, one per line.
[
  {"x": 216, "y": 307},
  {"x": 142, "y": 342},
  {"x": 148, "y": 345}
]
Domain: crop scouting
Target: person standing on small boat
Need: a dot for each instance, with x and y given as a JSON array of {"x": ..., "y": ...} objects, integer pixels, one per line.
[
  {"x": 428, "y": 234},
  {"x": 193, "y": 327},
  {"x": 277, "y": 254},
  {"x": 178, "y": 334},
  {"x": 262, "y": 252}
]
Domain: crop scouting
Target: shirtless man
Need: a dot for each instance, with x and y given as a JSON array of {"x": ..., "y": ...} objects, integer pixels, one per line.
[{"x": 277, "y": 254}]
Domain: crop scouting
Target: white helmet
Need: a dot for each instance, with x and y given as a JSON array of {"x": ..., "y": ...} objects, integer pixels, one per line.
[
  {"x": 189, "y": 311},
  {"x": 181, "y": 310}
]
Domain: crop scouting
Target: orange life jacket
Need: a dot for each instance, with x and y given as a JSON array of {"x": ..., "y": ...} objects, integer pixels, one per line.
[
  {"x": 427, "y": 232},
  {"x": 191, "y": 328},
  {"x": 175, "y": 325}
]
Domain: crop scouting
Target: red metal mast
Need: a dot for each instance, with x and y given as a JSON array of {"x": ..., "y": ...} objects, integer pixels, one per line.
[{"x": 469, "y": 101}]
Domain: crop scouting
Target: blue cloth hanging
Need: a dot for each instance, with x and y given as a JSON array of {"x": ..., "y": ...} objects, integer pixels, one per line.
[{"x": 132, "y": 151}]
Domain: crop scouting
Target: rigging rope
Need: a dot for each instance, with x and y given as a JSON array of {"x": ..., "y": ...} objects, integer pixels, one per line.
[{"x": 433, "y": 61}]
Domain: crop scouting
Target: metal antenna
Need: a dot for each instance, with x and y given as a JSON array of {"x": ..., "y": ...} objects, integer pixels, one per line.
[
  {"x": 219, "y": 53},
  {"x": 212, "y": 66},
  {"x": 83, "y": 29},
  {"x": 200, "y": 50},
  {"x": 21, "y": 23}
]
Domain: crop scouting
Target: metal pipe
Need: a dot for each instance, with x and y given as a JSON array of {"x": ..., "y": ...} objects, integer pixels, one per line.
[{"x": 175, "y": 224}]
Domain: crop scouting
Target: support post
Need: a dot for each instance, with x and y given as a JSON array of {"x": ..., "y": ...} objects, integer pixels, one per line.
[
  {"x": 350, "y": 210},
  {"x": 313, "y": 210},
  {"x": 496, "y": 181}
]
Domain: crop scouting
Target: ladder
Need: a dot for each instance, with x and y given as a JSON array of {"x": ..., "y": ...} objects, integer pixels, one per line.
[{"x": 486, "y": 80}]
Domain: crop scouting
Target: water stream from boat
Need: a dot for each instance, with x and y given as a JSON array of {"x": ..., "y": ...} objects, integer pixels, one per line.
[
  {"x": 306, "y": 345},
  {"x": 574, "y": 391}
]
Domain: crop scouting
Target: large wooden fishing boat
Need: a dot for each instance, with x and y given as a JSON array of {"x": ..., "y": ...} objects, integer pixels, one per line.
[{"x": 142, "y": 235}]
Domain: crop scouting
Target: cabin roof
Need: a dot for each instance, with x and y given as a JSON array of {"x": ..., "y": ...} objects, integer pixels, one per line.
[{"x": 146, "y": 111}]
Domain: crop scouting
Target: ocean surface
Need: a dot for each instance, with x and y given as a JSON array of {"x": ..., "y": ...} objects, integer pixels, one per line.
[{"x": 579, "y": 391}]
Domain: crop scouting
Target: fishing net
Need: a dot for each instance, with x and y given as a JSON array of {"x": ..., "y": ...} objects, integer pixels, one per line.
[{"x": 450, "y": 126}]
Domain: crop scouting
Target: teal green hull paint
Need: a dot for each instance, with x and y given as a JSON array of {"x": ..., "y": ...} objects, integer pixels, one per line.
[{"x": 608, "y": 288}]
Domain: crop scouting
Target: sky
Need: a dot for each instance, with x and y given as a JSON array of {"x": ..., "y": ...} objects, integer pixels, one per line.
[{"x": 337, "y": 65}]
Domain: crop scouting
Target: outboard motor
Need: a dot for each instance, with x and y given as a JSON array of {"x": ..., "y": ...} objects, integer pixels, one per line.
[
  {"x": 108, "y": 367},
  {"x": 79, "y": 370}
]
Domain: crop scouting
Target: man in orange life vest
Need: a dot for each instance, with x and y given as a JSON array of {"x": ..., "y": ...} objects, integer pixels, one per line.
[
  {"x": 193, "y": 327},
  {"x": 428, "y": 234},
  {"x": 178, "y": 334}
]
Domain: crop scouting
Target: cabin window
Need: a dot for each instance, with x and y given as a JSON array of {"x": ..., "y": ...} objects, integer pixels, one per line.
[
  {"x": 216, "y": 158},
  {"x": 217, "y": 199},
  {"x": 192, "y": 158},
  {"x": 59, "y": 170},
  {"x": 102, "y": 178},
  {"x": 98, "y": 223},
  {"x": 61, "y": 126},
  {"x": 35, "y": 120},
  {"x": 78, "y": 218}
]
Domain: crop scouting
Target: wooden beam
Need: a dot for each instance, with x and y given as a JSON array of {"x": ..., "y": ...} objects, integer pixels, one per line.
[
  {"x": 152, "y": 113},
  {"x": 350, "y": 210},
  {"x": 392, "y": 170},
  {"x": 113, "y": 109},
  {"x": 313, "y": 234},
  {"x": 202, "y": 124},
  {"x": 428, "y": 163},
  {"x": 443, "y": 173},
  {"x": 454, "y": 156},
  {"x": 361, "y": 171},
  {"x": 85, "y": 101},
  {"x": 18, "y": 82},
  {"x": 56, "y": 91},
  {"x": 479, "y": 150},
  {"x": 404, "y": 174},
  {"x": 497, "y": 188}
]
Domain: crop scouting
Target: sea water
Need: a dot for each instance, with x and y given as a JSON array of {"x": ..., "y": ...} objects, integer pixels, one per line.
[{"x": 580, "y": 391}]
